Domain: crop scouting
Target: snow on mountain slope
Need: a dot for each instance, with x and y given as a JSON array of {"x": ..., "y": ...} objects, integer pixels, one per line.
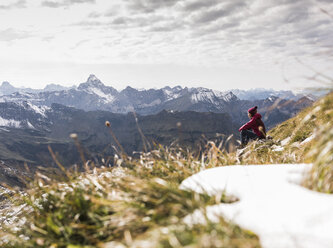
[
  {"x": 172, "y": 93},
  {"x": 9, "y": 123},
  {"x": 23, "y": 115},
  {"x": 106, "y": 97},
  {"x": 259, "y": 93},
  {"x": 271, "y": 204},
  {"x": 96, "y": 87},
  {"x": 211, "y": 96},
  {"x": 38, "y": 109},
  {"x": 94, "y": 95},
  {"x": 226, "y": 96}
]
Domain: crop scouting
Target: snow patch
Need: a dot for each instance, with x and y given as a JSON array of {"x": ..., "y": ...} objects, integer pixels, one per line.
[
  {"x": 107, "y": 98},
  {"x": 307, "y": 117},
  {"x": 213, "y": 96},
  {"x": 170, "y": 95},
  {"x": 9, "y": 123},
  {"x": 203, "y": 95},
  {"x": 153, "y": 103},
  {"x": 271, "y": 204},
  {"x": 226, "y": 96},
  {"x": 308, "y": 139},
  {"x": 30, "y": 125},
  {"x": 39, "y": 109},
  {"x": 285, "y": 141},
  {"x": 276, "y": 148}
]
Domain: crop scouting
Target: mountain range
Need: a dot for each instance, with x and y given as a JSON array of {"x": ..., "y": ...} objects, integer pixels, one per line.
[
  {"x": 252, "y": 94},
  {"x": 94, "y": 95},
  {"x": 30, "y": 121}
]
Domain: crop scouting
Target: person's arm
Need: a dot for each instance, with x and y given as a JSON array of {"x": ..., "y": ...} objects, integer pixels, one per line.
[
  {"x": 248, "y": 125},
  {"x": 261, "y": 127}
]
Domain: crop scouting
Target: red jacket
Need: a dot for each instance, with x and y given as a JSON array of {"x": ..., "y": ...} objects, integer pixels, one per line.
[{"x": 253, "y": 124}]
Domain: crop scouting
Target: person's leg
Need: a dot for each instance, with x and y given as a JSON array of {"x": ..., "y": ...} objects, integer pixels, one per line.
[{"x": 246, "y": 135}]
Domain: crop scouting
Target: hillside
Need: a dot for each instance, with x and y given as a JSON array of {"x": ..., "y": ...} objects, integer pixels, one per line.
[
  {"x": 306, "y": 124},
  {"x": 139, "y": 203},
  {"x": 310, "y": 136},
  {"x": 303, "y": 138},
  {"x": 31, "y": 130}
]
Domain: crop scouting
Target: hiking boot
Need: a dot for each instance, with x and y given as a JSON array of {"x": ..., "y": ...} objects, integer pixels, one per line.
[{"x": 239, "y": 147}]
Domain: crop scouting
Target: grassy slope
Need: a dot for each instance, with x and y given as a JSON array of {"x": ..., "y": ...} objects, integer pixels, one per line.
[
  {"x": 136, "y": 205},
  {"x": 307, "y": 122},
  {"x": 315, "y": 121},
  {"x": 140, "y": 204}
]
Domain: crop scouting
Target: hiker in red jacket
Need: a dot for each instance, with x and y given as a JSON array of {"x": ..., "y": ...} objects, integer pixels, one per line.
[{"x": 256, "y": 124}]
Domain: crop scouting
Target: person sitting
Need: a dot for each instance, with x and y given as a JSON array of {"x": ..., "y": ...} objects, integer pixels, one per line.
[{"x": 256, "y": 124}]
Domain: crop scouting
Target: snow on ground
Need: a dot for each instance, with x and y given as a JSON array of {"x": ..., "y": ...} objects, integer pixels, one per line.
[
  {"x": 285, "y": 141},
  {"x": 308, "y": 139},
  {"x": 271, "y": 203},
  {"x": 276, "y": 148}
]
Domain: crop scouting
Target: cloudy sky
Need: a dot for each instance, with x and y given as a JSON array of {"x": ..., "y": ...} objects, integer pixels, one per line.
[{"x": 219, "y": 44}]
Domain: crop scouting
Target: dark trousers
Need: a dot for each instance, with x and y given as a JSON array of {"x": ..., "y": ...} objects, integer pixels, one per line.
[{"x": 247, "y": 135}]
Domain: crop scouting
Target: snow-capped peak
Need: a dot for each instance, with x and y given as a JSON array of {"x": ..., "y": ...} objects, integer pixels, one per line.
[
  {"x": 226, "y": 96},
  {"x": 93, "y": 79},
  {"x": 213, "y": 96},
  {"x": 95, "y": 87},
  {"x": 6, "y": 84}
]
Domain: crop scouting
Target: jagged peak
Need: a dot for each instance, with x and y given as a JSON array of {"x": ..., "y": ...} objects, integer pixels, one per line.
[
  {"x": 92, "y": 81},
  {"x": 230, "y": 96},
  {"x": 130, "y": 88},
  {"x": 92, "y": 78},
  {"x": 6, "y": 84}
]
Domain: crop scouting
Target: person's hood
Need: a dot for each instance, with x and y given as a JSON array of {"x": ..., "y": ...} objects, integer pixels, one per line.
[{"x": 257, "y": 116}]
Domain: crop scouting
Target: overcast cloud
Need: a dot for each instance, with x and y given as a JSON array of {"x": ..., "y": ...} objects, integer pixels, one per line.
[
  {"x": 58, "y": 3},
  {"x": 233, "y": 42},
  {"x": 17, "y": 4}
]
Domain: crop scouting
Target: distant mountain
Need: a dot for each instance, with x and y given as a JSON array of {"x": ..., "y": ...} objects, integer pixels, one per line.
[
  {"x": 276, "y": 110},
  {"x": 56, "y": 87},
  {"x": 94, "y": 95},
  {"x": 6, "y": 89},
  {"x": 260, "y": 94}
]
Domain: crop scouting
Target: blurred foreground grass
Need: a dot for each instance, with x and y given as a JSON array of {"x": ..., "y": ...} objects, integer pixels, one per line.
[{"x": 137, "y": 204}]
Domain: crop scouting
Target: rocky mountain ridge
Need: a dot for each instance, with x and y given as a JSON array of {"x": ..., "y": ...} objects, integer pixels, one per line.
[
  {"x": 172, "y": 92},
  {"x": 94, "y": 95}
]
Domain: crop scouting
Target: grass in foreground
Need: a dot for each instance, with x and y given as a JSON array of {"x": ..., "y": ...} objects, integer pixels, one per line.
[
  {"x": 320, "y": 177},
  {"x": 136, "y": 205}
]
